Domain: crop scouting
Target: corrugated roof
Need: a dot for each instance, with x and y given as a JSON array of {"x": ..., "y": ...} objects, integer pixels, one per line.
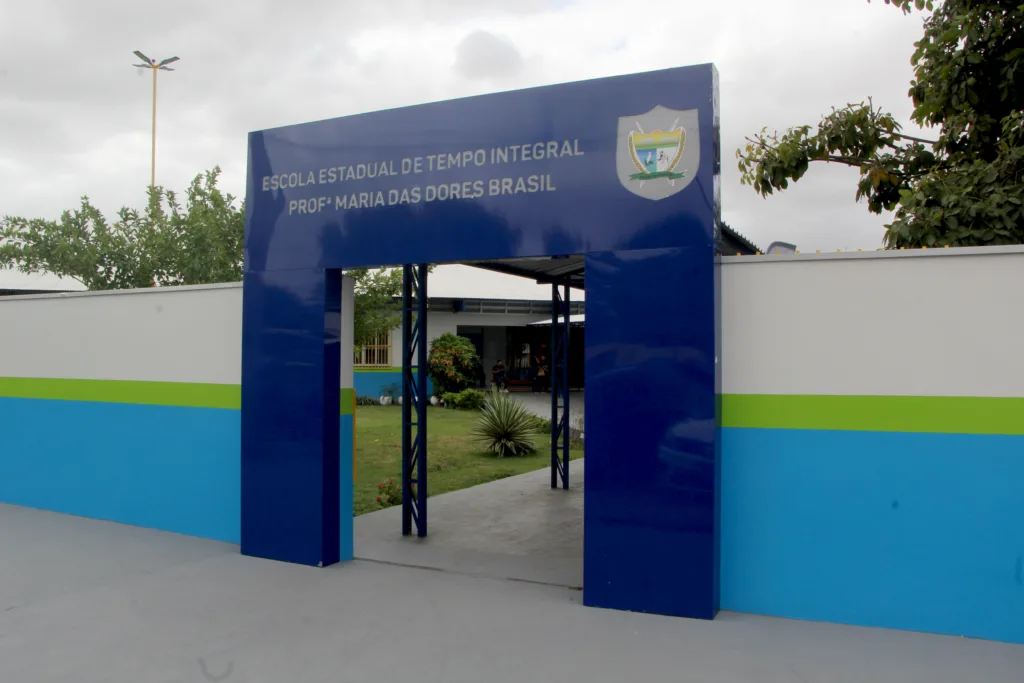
[{"x": 469, "y": 282}]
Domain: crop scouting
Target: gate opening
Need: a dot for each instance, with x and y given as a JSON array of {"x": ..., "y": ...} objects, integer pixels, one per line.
[{"x": 524, "y": 524}]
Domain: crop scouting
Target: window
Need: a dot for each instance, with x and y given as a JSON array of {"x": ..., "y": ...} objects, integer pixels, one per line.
[{"x": 375, "y": 354}]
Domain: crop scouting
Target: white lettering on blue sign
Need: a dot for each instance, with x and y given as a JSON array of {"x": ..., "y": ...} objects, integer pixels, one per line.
[{"x": 430, "y": 163}]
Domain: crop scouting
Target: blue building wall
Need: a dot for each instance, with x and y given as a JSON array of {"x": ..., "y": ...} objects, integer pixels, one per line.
[{"x": 373, "y": 383}]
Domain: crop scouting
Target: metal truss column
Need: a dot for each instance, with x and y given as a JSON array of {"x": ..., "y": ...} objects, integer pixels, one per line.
[
  {"x": 560, "y": 415},
  {"x": 414, "y": 400}
]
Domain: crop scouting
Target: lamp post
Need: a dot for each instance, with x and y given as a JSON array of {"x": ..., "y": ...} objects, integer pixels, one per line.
[{"x": 155, "y": 66}]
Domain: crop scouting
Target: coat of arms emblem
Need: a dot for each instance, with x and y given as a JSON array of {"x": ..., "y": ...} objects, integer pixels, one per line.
[{"x": 658, "y": 152}]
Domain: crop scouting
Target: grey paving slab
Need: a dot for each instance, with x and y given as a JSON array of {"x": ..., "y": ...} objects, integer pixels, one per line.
[
  {"x": 540, "y": 405},
  {"x": 515, "y": 528},
  {"x": 83, "y": 601}
]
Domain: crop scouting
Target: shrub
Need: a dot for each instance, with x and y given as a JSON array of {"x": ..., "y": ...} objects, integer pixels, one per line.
[
  {"x": 389, "y": 494},
  {"x": 367, "y": 401},
  {"x": 542, "y": 425},
  {"x": 467, "y": 399},
  {"x": 453, "y": 363},
  {"x": 506, "y": 427}
]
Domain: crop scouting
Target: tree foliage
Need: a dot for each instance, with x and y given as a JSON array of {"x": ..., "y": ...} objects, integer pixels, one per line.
[
  {"x": 199, "y": 241},
  {"x": 453, "y": 364},
  {"x": 377, "y": 310},
  {"x": 965, "y": 187},
  {"x": 165, "y": 244}
]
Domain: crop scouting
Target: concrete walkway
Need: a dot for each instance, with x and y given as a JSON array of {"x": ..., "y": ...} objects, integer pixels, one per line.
[
  {"x": 516, "y": 528},
  {"x": 83, "y": 601},
  {"x": 540, "y": 405}
]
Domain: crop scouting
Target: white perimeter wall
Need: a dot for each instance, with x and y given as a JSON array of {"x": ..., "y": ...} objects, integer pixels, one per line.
[
  {"x": 947, "y": 322},
  {"x": 166, "y": 334},
  {"x": 944, "y": 322}
]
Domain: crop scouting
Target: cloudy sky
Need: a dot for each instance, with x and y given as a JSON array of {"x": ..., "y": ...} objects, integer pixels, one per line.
[{"x": 75, "y": 114}]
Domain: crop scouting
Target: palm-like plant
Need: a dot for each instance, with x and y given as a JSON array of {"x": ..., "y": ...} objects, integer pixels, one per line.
[{"x": 505, "y": 426}]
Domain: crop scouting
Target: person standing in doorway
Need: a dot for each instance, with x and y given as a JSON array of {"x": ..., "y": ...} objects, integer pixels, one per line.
[
  {"x": 499, "y": 377},
  {"x": 541, "y": 378}
]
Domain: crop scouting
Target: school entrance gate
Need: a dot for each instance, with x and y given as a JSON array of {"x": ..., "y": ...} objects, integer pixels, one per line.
[{"x": 617, "y": 178}]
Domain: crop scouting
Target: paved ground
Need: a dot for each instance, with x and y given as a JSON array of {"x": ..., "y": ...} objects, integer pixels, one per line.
[
  {"x": 540, "y": 404},
  {"x": 83, "y": 601},
  {"x": 515, "y": 528}
]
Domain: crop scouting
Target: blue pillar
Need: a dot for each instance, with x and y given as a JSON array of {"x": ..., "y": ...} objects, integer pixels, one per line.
[
  {"x": 651, "y": 496},
  {"x": 291, "y": 354}
]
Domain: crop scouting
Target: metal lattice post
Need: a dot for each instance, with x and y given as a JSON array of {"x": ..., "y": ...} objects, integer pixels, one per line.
[
  {"x": 408, "y": 337},
  {"x": 559, "y": 387},
  {"x": 564, "y": 384},
  {"x": 554, "y": 394},
  {"x": 414, "y": 400},
  {"x": 421, "y": 405}
]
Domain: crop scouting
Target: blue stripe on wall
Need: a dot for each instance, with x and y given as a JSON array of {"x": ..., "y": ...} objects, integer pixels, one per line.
[
  {"x": 914, "y": 531},
  {"x": 345, "y": 491},
  {"x": 162, "y": 467},
  {"x": 170, "y": 468},
  {"x": 921, "y": 532}
]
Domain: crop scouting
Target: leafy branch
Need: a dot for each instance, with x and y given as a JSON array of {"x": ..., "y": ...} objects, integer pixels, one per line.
[{"x": 962, "y": 188}]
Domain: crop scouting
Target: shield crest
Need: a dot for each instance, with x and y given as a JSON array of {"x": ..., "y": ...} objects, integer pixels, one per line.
[{"x": 658, "y": 153}]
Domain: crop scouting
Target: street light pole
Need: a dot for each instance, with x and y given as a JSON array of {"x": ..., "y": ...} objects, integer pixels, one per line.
[{"x": 154, "y": 66}]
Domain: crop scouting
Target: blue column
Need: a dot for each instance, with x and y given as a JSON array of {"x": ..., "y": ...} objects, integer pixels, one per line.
[
  {"x": 563, "y": 385},
  {"x": 652, "y": 483},
  {"x": 408, "y": 394},
  {"x": 556, "y": 426},
  {"x": 291, "y": 354},
  {"x": 561, "y": 425},
  {"x": 414, "y": 400},
  {"x": 422, "y": 401}
]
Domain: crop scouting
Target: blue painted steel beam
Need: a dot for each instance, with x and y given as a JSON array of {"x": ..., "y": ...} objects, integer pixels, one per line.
[
  {"x": 421, "y": 403},
  {"x": 407, "y": 425},
  {"x": 564, "y": 385},
  {"x": 414, "y": 400},
  {"x": 560, "y": 416}
]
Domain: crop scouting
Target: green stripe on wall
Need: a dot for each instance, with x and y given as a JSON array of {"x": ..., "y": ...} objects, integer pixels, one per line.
[
  {"x": 937, "y": 414},
  {"x": 181, "y": 394}
]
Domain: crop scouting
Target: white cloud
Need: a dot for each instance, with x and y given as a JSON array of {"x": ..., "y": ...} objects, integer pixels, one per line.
[
  {"x": 484, "y": 55},
  {"x": 75, "y": 117}
]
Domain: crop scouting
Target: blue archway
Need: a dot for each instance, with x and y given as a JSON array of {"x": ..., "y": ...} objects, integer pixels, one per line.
[{"x": 623, "y": 171}]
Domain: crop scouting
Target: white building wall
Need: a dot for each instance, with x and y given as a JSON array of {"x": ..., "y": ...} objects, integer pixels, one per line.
[{"x": 444, "y": 322}]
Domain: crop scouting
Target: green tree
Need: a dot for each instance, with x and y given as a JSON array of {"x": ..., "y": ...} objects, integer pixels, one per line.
[
  {"x": 165, "y": 244},
  {"x": 964, "y": 187},
  {"x": 377, "y": 311},
  {"x": 169, "y": 243}
]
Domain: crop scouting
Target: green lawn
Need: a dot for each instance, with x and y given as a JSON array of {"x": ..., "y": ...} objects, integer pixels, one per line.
[{"x": 454, "y": 460}]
